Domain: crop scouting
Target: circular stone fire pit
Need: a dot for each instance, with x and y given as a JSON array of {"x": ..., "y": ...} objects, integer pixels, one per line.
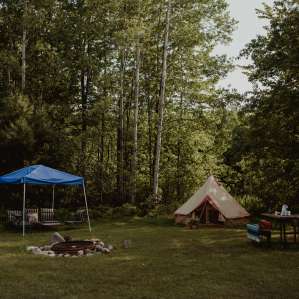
[{"x": 72, "y": 247}]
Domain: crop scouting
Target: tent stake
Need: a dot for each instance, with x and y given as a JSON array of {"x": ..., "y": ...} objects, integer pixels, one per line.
[
  {"x": 24, "y": 200},
  {"x": 86, "y": 206}
]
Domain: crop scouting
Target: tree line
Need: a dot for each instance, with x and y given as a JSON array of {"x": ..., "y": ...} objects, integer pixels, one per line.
[{"x": 125, "y": 93}]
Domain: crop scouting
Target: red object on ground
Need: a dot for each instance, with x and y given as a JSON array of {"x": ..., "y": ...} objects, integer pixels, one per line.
[{"x": 264, "y": 224}]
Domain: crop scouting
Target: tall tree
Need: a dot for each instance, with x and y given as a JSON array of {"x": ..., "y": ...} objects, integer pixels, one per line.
[
  {"x": 135, "y": 122},
  {"x": 104, "y": 113},
  {"x": 24, "y": 41},
  {"x": 161, "y": 103},
  {"x": 266, "y": 146}
]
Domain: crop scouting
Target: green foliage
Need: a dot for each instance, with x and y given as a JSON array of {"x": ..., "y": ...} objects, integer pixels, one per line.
[
  {"x": 254, "y": 205},
  {"x": 16, "y": 134},
  {"x": 64, "y": 214},
  {"x": 265, "y": 148},
  {"x": 126, "y": 210},
  {"x": 80, "y": 61}
]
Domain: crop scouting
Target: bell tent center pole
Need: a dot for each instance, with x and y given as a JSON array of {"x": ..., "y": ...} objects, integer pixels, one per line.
[
  {"x": 86, "y": 206},
  {"x": 24, "y": 206}
]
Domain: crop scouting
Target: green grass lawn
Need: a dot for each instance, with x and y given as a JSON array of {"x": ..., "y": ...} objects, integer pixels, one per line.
[{"x": 165, "y": 261}]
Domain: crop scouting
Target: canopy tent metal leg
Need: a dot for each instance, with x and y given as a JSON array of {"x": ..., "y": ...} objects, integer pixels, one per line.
[
  {"x": 24, "y": 206},
  {"x": 86, "y": 206},
  {"x": 53, "y": 196}
]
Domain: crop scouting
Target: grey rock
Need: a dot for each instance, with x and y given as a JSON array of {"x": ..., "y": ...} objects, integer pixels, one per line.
[
  {"x": 46, "y": 247},
  {"x": 95, "y": 241},
  {"x": 127, "y": 244},
  {"x": 80, "y": 252},
  {"x": 56, "y": 238},
  {"x": 99, "y": 247},
  {"x": 37, "y": 251},
  {"x": 31, "y": 248},
  {"x": 106, "y": 250}
]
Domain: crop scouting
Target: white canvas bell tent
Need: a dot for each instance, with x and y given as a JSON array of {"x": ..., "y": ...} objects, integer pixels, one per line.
[{"x": 211, "y": 204}]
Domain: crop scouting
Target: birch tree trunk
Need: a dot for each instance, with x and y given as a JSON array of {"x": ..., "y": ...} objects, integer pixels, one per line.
[
  {"x": 84, "y": 94},
  {"x": 120, "y": 131},
  {"x": 85, "y": 82},
  {"x": 150, "y": 137},
  {"x": 161, "y": 104},
  {"x": 135, "y": 124}
]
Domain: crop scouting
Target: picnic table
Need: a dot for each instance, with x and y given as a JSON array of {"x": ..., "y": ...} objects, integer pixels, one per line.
[{"x": 283, "y": 221}]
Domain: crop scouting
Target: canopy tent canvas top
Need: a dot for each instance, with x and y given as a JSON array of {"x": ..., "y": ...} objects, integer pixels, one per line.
[
  {"x": 217, "y": 197},
  {"x": 42, "y": 175}
]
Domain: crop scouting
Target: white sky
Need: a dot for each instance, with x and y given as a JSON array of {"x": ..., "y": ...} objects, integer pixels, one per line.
[{"x": 248, "y": 27}]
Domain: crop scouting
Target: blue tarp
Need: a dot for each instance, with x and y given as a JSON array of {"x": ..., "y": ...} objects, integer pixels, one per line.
[{"x": 40, "y": 175}]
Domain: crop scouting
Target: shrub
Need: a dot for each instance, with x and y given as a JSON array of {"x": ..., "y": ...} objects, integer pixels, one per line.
[
  {"x": 252, "y": 204},
  {"x": 63, "y": 214},
  {"x": 101, "y": 211},
  {"x": 126, "y": 210}
]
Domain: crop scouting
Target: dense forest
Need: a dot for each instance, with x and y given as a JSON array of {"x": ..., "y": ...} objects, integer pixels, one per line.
[{"x": 126, "y": 94}]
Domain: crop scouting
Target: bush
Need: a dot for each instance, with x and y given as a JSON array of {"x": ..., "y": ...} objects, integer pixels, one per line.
[
  {"x": 126, "y": 210},
  {"x": 101, "y": 212},
  {"x": 252, "y": 204},
  {"x": 63, "y": 214}
]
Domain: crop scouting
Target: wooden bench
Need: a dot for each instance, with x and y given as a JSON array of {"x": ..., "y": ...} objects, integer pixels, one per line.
[
  {"x": 48, "y": 218},
  {"x": 15, "y": 217}
]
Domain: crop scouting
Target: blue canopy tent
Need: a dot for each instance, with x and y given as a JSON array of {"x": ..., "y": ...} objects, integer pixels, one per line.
[{"x": 42, "y": 175}]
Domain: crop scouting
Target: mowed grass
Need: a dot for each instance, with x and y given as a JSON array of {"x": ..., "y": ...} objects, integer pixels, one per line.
[{"x": 165, "y": 261}]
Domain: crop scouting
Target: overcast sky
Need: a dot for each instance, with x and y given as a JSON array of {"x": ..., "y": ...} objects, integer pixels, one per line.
[{"x": 248, "y": 27}]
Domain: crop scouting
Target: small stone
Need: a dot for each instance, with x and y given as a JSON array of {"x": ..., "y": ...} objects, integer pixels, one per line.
[
  {"x": 31, "y": 248},
  {"x": 66, "y": 255},
  {"x": 44, "y": 252},
  {"x": 99, "y": 248},
  {"x": 106, "y": 250},
  {"x": 95, "y": 241},
  {"x": 56, "y": 238},
  {"x": 110, "y": 247},
  {"x": 46, "y": 247},
  {"x": 89, "y": 254},
  {"x": 37, "y": 251},
  {"x": 127, "y": 244},
  {"x": 74, "y": 256},
  {"x": 80, "y": 252}
]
